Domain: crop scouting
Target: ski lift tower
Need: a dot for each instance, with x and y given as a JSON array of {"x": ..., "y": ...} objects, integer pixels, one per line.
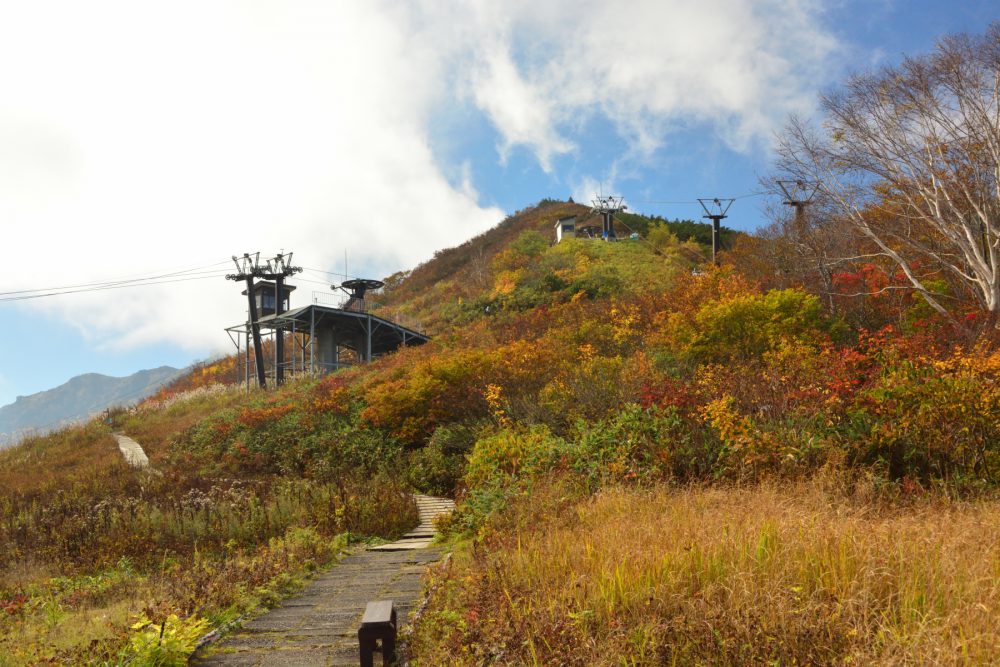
[
  {"x": 279, "y": 268},
  {"x": 798, "y": 195},
  {"x": 716, "y": 210},
  {"x": 607, "y": 207}
]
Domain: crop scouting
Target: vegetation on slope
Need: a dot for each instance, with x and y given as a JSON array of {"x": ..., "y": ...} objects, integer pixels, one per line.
[
  {"x": 97, "y": 557},
  {"x": 789, "y": 461},
  {"x": 811, "y": 574},
  {"x": 560, "y": 376}
]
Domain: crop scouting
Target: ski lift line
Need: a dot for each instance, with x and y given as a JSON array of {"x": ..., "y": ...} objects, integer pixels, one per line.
[
  {"x": 119, "y": 281},
  {"x": 659, "y": 201},
  {"x": 106, "y": 287},
  {"x": 329, "y": 273},
  {"x": 314, "y": 282},
  {"x": 694, "y": 202}
]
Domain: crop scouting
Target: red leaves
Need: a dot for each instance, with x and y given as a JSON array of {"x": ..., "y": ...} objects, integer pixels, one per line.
[
  {"x": 254, "y": 417},
  {"x": 14, "y": 605},
  {"x": 868, "y": 279}
]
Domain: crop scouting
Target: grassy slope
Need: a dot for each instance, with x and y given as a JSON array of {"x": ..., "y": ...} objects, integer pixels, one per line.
[
  {"x": 769, "y": 574},
  {"x": 780, "y": 572},
  {"x": 90, "y": 545},
  {"x": 560, "y": 371},
  {"x": 465, "y": 271}
]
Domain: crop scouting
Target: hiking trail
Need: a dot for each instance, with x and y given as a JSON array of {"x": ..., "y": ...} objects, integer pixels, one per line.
[{"x": 319, "y": 625}]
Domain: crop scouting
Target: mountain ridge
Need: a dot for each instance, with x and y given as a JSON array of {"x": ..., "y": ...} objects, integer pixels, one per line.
[{"x": 77, "y": 399}]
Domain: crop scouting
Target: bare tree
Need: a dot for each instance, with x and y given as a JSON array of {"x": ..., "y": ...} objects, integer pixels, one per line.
[{"x": 910, "y": 155}]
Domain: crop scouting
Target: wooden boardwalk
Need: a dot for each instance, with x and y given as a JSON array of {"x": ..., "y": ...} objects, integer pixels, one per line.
[{"x": 319, "y": 625}]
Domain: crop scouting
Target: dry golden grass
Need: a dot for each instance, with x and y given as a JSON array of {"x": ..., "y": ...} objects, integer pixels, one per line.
[
  {"x": 800, "y": 575},
  {"x": 155, "y": 426},
  {"x": 55, "y": 460}
]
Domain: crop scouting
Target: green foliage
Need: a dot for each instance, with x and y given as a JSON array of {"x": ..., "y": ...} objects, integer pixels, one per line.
[
  {"x": 509, "y": 455},
  {"x": 438, "y": 467},
  {"x": 634, "y": 445},
  {"x": 662, "y": 238},
  {"x": 930, "y": 422},
  {"x": 682, "y": 230},
  {"x": 746, "y": 326},
  {"x": 529, "y": 244},
  {"x": 167, "y": 644}
]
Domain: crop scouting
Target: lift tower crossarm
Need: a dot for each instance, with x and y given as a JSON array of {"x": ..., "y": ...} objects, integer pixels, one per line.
[{"x": 798, "y": 194}]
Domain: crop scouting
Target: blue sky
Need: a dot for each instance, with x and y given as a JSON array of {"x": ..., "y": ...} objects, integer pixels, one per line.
[{"x": 137, "y": 140}]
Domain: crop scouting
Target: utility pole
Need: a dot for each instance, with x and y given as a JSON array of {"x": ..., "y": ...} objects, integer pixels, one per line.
[
  {"x": 607, "y": 207},
  {"x": 277, "y": 269},
  {"x": 716, "y": 210},
  {"x": 798, "y": 195},
  {"x": 246, "y": 269}
]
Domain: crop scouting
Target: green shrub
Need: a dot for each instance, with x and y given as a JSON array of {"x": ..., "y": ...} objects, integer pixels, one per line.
[
  {"x": 746, "y": 326},
  {"x": 167, "y": 644},
  {"x": 438, "y": 467}
]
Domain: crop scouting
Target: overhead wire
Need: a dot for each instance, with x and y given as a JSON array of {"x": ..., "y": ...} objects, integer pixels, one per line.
[
  {"x": 693, "y": 202},
  {"x": 315, "y": 282},
  {"x": 24, "y": 297},
  {"x": 201, "y": 272},
  {"x": 120, "y": 281},
  {"x": 328, "y": 273}
]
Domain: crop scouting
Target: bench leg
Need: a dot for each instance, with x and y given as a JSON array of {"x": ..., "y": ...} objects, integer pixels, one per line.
[
  {"x": 389, "y": 649},
  {"x": 367, "y": 645}
]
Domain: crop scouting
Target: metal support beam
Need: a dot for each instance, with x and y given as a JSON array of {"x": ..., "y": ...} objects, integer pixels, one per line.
[
  {"x": 368, "y": 339},
  {"x": 258, "y": 351},
  {"x": 279, "y": 333},
  {"x": 312, "y": 341}
]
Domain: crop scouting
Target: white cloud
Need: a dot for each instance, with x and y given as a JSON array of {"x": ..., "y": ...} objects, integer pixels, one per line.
[
  {"x": 518, "y": 108},
  {"x": 651, "y": 66},
  {"x": 585, "y": 189},
  {"x": 136, "y": 137}
]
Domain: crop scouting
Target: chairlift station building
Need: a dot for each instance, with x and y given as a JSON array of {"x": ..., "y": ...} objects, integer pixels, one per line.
[{"x": 324, "y": 338}]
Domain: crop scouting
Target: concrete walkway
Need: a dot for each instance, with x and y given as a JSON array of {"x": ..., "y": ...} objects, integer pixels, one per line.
[
  {"x": 132, "y": 451},
  {"x": 430, "y": 508},
  {"x": 319, "y": 626}
]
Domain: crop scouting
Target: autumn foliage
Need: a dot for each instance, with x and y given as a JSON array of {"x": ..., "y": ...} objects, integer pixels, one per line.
[{"x": 581, "y": 366}]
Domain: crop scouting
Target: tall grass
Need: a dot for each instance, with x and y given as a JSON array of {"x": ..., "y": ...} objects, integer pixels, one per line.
[
  {"x": 43, "y": 463},
  {"x": 801, "y": 575}
]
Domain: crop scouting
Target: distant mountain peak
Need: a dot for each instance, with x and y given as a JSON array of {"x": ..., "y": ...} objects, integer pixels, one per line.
[{"x": 77, "y": 399}]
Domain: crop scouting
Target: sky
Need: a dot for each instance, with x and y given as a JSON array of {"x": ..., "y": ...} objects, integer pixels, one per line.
[{"x": 142, "y": 139}]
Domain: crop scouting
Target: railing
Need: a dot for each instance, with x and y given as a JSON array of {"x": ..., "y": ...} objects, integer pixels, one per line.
[
  {"x": 326, "y": 299},
  {"x": 366, "y": 306}
]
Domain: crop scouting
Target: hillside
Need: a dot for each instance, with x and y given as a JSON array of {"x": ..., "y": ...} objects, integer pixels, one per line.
[
  {"x": 446, "y": 290},
  {"x": 656, "y": 461},
  {"x": 76, "y": 400}
]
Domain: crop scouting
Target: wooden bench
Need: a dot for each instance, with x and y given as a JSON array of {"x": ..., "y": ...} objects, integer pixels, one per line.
[{"x": 378, "y": 623}]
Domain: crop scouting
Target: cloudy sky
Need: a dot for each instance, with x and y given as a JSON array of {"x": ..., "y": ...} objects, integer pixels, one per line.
[{"x": 145, "y": 139}]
